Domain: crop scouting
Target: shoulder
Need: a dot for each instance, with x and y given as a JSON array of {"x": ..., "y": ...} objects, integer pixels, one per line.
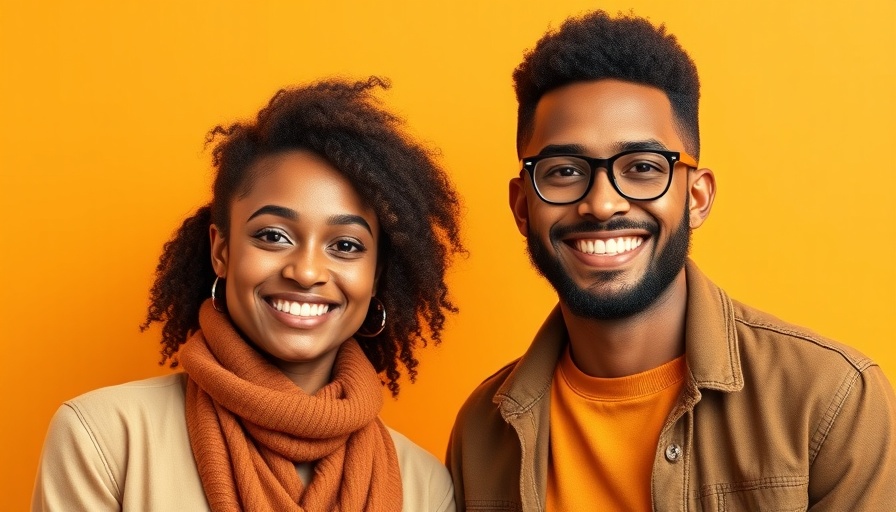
[
  {"x": 425, "y": 480},
  {"x": 147, "y": 402},
  {"x": 480, "y": 427},
  {"x": 116, "y": 417},
  {"x": 163, "y": 389},
  {"x": 841, "y": 395},
  {"x": 761, "y": 333},
  {"x": 482, "y": 400},
  {"x": 105, "y": 440},
  {"x": 796, "y": 363},
  {"x": 834, "y": 384},
  {"x": 479, "y": 418}
]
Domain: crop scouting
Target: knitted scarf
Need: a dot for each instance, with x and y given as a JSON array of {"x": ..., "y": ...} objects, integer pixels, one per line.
[{"x": 249, "y": 425}]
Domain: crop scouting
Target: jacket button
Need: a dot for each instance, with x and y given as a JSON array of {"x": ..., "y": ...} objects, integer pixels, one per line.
[{"x": 673, "y": 453}]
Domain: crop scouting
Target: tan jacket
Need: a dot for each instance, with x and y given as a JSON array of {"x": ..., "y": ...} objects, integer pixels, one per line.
[
  {"x": 126, "y": 448},
  {"x": 772, "y": 417}
]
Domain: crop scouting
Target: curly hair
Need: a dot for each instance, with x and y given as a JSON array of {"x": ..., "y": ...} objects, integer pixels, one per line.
[
  {"x": 596, "y": 46},
  {"x": 415, "y": 203}
]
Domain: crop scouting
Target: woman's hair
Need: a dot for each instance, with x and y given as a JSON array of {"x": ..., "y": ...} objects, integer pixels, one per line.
[{"x": 415, "y": 203}]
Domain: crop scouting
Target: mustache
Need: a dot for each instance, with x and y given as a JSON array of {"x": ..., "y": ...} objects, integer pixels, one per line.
[{"x": 615, "y": 224}]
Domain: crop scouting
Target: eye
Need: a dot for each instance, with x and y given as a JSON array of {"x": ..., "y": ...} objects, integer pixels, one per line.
[
  {"x": 348, "y": 246},
  {"x": 561, "y": 171},
  {"x": 565, "y": 171},
  {"x": 272, "y": 236},
  {"x": 641, "y": 167}
]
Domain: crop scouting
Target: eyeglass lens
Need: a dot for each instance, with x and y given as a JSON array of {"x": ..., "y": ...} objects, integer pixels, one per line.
[{"x": 564, "y": 179}]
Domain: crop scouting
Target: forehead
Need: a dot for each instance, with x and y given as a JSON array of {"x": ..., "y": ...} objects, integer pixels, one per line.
[
  {"x": 302, "y": 181},
  {"x": 601, "y": 115}
]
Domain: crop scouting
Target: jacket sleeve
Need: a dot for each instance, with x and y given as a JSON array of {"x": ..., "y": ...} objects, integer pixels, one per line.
[
  {"x": 73, "y": 475},
  {"x": 447, "y": 503},
  {"x": 452, "y": 460},
  {"x": 854, "y": 467}
]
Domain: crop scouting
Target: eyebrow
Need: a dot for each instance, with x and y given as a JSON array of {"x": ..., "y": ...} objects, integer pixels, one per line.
[
  {"x": 579, "y": 149},
  {"x": 290, "y": 214},
  {"x": 648, "y": 144},
  {"x": 278, "y": 211},
  {"x": 348, "y": 219},
  {"x": 562, "y": 149}
]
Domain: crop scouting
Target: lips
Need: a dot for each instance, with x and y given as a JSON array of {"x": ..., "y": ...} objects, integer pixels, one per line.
[{"x": 607, "y": 246}]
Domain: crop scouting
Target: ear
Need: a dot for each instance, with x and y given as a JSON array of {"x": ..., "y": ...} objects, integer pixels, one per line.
[
  {"x": 702, "y": 193},
  {"x": 220, "y": 251},
  {"x": 519, "y": 204},
  {"x": 376, "y": 278}
]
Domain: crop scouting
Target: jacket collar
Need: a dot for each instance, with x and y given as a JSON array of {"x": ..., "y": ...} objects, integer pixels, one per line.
[
  {"x": 531, "y": 377},
  {"x": 710, "y": 344},
  {"x": 710, "y": 337}
]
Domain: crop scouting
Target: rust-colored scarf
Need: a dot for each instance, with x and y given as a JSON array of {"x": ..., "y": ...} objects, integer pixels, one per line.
[{"x": 249, "y": 425}]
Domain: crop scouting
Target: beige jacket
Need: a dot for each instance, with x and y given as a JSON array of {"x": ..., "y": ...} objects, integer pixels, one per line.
[
  {"x": 126, "y": 448},
  {"x": 772, "y": 417}
]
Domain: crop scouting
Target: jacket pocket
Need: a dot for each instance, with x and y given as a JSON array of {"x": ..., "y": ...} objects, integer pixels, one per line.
[{"x": 773, "y": 494}]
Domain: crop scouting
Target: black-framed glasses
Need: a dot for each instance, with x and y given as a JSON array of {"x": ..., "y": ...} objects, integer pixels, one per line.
[{"x": 639, "y": 175}]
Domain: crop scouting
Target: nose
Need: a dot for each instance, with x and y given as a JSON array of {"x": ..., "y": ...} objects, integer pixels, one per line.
[
  {"x": 602, "y": 201},
  {"x": 306, "y": 266}
]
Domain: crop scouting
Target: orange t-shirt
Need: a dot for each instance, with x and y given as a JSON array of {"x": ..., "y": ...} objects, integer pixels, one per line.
[{"x": 604, "y": 434}]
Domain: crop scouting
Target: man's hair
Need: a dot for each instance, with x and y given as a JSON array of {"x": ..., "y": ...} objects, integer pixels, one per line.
[
  {"x": 412, "y": 195},
  {"x": 596, "y": 46}
]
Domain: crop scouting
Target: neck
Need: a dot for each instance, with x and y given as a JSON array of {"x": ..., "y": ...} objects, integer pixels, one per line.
[
  {"x": 626, "y": 346},
  {"x": 309, "y": 376}
]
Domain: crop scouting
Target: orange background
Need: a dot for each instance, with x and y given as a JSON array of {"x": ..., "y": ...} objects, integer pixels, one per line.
[{"x": 105, "y": 106}]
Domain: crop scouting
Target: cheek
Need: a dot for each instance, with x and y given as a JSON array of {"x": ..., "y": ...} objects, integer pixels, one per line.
[
  {"x": 247, "y": 268},
  {"x": 359, "y": 280},
  {"x": 542, "y": 217},
  {"x": 668, "y": 210}
]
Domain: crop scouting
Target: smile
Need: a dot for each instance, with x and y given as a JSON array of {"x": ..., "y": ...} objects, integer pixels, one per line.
[
  {"x": 609, "y": 247},
  {"x": 306, "y": 309}
]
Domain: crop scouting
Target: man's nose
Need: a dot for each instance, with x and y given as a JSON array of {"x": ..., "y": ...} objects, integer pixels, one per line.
[{"x": 602, "y": 201}]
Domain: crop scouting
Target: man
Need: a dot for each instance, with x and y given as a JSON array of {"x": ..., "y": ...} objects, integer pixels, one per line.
[{"x": 648, "y": 388}]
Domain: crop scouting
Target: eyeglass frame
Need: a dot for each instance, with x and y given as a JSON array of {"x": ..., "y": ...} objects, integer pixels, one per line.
[{"x": 673, "y": 157}]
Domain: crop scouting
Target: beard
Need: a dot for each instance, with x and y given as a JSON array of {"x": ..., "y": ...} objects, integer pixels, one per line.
[{"x": 630, "y": 300}]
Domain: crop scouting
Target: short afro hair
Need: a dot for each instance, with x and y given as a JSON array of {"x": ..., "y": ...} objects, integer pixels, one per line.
[{"x": 597, "y": 46}]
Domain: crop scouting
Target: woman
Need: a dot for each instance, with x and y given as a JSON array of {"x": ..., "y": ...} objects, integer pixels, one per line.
[{"x": 318, "y": 265}]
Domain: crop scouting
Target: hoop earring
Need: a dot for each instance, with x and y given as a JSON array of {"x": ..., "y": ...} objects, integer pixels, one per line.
[
  {"x": 215, "y": 299},
  {"x": 376, "y": 309}
]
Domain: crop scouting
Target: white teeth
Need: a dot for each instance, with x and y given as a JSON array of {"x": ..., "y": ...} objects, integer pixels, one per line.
[
  {"x": 300, "y": 308},
  {"x": 609, "y": 247}
]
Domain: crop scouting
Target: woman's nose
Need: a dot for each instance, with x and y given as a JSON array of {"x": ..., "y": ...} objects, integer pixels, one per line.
[{"x": 307, "y": 267}]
